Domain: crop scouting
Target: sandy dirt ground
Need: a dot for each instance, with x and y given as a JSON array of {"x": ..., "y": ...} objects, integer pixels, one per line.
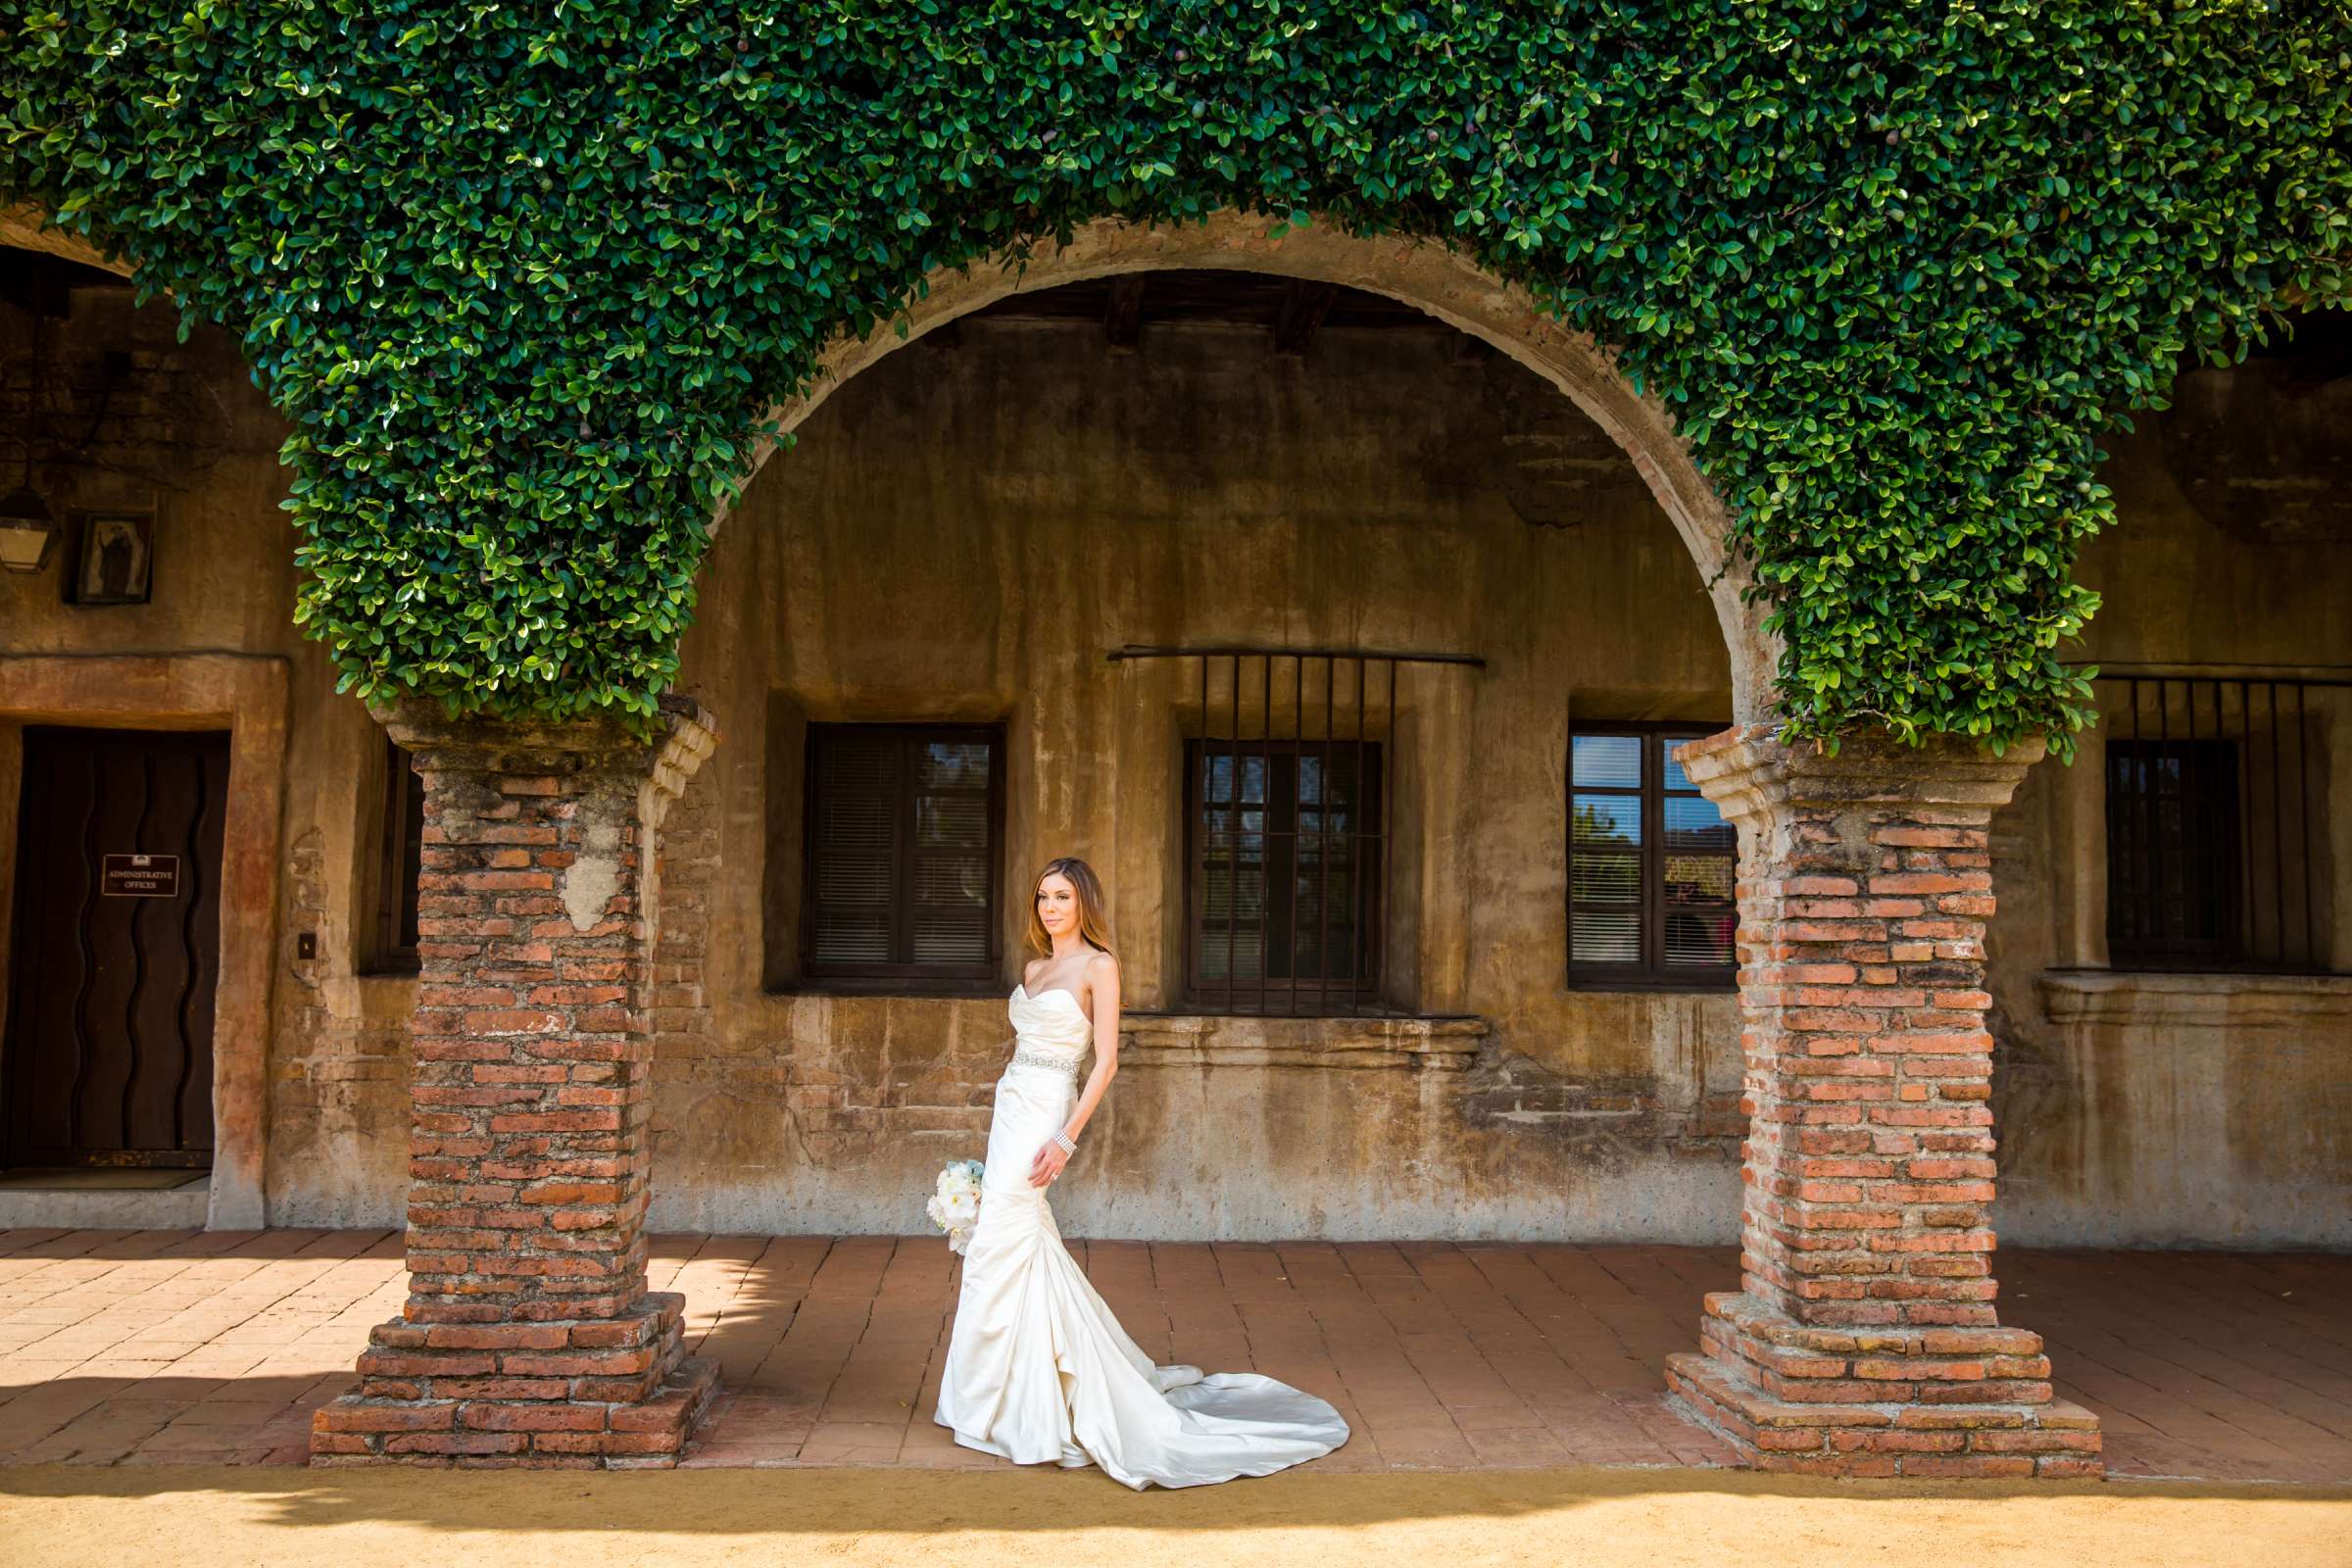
[{"x": 57, "y": 1517}]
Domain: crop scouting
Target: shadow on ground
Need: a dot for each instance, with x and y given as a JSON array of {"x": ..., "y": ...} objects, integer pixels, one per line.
[{"x": 199, "y": 1518}]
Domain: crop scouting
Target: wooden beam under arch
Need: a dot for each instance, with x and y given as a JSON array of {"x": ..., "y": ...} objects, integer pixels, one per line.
[
  {"x": 1123, "y": 317},
  {"x": 1304, "y": 304}
]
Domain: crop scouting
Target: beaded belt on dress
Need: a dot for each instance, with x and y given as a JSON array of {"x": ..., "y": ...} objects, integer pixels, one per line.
[{"x": 1060, "y": 1061}]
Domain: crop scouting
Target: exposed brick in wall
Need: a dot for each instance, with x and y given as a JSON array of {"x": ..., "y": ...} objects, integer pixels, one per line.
[
  {"x": 843, "y": 1081},
  {"x": 528, "y": 1336},
  {"x": 338, "y": 1076},
  {"x": 678, "y": 1000},
  {"x": 1865, "y": 1340},
  {"x": 117, "y": 419}
]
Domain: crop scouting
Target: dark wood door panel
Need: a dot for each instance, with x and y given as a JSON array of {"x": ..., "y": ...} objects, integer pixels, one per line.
[{"x": 115, "y": 960}]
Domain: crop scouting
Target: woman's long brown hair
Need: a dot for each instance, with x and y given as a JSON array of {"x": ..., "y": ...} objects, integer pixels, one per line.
[{"x": 1094, "y": 925}]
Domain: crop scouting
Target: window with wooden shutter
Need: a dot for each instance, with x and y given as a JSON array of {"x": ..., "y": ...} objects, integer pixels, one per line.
[
  {"x": 399, "y": 858},
  {"x": 1652, "y": 866},
  {"x": 903, "y": 863}
]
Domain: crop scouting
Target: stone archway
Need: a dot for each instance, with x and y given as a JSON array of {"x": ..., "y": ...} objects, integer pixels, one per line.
[
  {"x": 1865, "y": 1338},
  {"x": 1440, "y": 284}
]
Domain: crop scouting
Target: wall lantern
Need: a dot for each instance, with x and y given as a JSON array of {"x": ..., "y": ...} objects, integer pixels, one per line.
[{"x": 27, "y": 533}]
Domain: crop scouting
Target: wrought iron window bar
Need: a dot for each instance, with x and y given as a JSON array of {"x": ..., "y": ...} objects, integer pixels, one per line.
[
  {"x": 2213, "y": 799},
  {"x": 1354, "y": 747}
]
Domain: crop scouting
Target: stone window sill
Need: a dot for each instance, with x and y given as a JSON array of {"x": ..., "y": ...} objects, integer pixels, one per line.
[
  {"x": 1406, "y": 1041},
  {"x": 2227, "y": 999},
  {"x": 1651, "y": 989},
  {"x": 885, "y": 991}
]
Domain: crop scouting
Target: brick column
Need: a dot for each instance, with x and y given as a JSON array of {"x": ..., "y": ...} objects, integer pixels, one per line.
[
  {"x": 1864, "y": 1340},
  {"x": 529, "y": 1338}
]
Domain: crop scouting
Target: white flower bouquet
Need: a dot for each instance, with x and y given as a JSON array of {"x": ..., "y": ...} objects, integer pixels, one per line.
[{"x": 955, "y": 1204}]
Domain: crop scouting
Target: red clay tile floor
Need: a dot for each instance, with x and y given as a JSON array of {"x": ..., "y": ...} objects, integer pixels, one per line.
[{"x": 179, "y": 1347}]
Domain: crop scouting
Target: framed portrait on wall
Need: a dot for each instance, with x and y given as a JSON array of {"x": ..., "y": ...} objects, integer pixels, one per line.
[{"x": 114, "y": 556}]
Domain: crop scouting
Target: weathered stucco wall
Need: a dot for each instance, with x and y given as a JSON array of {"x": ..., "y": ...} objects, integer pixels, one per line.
[
  {"x": 963, "y": 532},
  {"x": 2188, "y": 1109}
]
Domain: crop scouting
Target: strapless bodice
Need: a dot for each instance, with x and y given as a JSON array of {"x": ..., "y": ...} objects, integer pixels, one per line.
[{"x": 1048, "y": 1029}]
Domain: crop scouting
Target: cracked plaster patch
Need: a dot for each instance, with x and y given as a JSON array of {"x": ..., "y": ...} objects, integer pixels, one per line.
[{"x": 593, "y": 876}]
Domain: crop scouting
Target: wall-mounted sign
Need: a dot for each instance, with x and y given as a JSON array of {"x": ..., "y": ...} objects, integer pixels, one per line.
[{"x": 140, "y": 877}]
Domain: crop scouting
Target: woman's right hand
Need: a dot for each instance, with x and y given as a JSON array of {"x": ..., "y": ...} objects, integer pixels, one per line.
[{"x": 1048, "y": 1164}]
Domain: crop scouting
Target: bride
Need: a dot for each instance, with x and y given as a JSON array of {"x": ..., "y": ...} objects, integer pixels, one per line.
[{"x": 1038, "y": 1368}]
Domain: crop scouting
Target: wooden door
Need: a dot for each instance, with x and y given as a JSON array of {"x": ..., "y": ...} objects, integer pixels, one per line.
[{"x": 115, "y": 949}]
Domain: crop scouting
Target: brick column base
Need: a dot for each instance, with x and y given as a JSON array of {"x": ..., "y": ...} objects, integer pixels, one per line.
[
  {"x": 609, "y": 1394},
  {"x": 1864, "y": 1340},
  {"x": 528, "y": 1337},
  {"x": 1912, "y": 1402}
]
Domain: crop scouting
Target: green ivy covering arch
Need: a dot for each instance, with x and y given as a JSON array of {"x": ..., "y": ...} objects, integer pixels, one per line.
[{"x": 525, "y": 276}]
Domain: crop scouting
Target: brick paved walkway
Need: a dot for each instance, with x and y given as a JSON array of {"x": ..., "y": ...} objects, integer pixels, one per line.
[{"x": 179, "y": 1347}]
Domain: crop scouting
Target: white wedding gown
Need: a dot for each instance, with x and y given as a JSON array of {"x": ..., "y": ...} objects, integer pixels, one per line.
[{"x": 1038, "y": 1369}]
